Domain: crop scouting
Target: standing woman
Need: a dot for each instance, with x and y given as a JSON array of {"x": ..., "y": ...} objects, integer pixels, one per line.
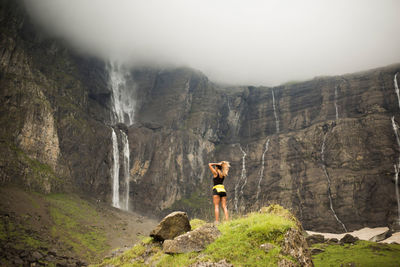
[{"x": 220, "y": 171}]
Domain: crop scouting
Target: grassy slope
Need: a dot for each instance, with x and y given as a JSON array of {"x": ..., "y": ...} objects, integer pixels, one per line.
[
  {"x": 363, "y": 253},
  {"x": 239, "y": 244},
  {"x": 65, "y": 223}
]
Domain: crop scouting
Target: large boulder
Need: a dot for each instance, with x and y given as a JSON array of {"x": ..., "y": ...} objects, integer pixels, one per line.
[
  {"x": 195, "y": 240},
  {"x": 174, "y": 224}
]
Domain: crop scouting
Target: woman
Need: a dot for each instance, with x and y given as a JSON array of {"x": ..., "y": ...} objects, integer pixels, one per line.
[{"x": 220, "y": 171}]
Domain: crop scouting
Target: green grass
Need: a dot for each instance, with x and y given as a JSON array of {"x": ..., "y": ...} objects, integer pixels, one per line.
[
  {"x": 239, "y": 243},
  {"x": 362, "y": 253},
  {"x": 72, "y": 218}
]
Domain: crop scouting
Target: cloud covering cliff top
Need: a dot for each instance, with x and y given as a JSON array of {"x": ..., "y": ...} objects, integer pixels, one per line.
[{"x": 247, "y": 42}]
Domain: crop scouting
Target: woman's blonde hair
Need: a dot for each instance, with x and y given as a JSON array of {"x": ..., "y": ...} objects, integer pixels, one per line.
[{"x": 225, "y": 167}]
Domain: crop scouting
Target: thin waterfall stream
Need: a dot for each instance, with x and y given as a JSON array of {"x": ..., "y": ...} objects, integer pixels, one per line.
[
  {"x": 262, "y": 170},
  {"x": 242, "y": 180},
  {"x": 323, "y": 165}
]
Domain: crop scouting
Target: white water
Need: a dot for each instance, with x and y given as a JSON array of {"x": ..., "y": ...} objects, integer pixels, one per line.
[
  {"x": 115, "y": 171},
  {"x": 396, "y": 179},
  {"x": 396, "y": 132},
  {"x": 122, "y": 95},
  {"x": 396, "y": 87},
  {"x": 275, "y": 113},
  {"x": 262, "y": 169},
  {"x": 243, "y": 180},
  {"x": 336, "y": 106},
  {"x": 125, "y": 144},
  {"x": 329, "y": 183}
]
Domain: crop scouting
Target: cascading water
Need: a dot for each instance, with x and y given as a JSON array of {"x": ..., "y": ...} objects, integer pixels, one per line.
[
  {"x": 115, "y": 171},
  {"x": 122, "y": 96},
  {"x": 329, "y": 182},
  {"x": 125, "y": 144},
  {"x": 275, "y": 113},
  {"x": 262, "y": 169},
  {"x": 396, "y": 133},
  {"x": 336, "y": 106},
  {"x": 396, "y": 88},
  {"x": 123, "y": 109},
  {"x": 242, "y": 180}
]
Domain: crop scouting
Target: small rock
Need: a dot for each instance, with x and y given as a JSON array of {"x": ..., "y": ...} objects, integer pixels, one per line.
[
  {"x": 315, "y": 239},
  {"x": 171, "y": 226},
  {"x": 316, "y": 251},
  {"x": 37, "y": 255},
  {"x": 381, "y": 237},
  {"x": 348, "y": 239},
  {"x": 221, "y": 263},
  {"x": 267, "y": 247},
  {"x": 332, "y": 241}
]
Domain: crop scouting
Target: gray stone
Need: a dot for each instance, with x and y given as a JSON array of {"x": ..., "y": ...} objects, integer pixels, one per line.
[
  {"x": 174, "y": 224},
  {"x": 315, "y": 239},
  {"x": 195, "y": 240},
  {"x": 382, "y": 236},
  {"x": 221, "y": 263},
  {"x": 267, "y": 247},
  {"x": 348, "y": 239},
  {"x": 316, "y": 251}
]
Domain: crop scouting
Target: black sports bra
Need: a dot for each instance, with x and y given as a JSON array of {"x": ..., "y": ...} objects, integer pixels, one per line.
[{"x": 218, "y": 180}]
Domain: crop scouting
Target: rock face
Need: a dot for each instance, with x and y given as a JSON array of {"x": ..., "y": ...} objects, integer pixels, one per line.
[
  {"x": 324, "y": 148},
  {"x": 171, "y": 226},
  {"x": 195, "y": 240}
]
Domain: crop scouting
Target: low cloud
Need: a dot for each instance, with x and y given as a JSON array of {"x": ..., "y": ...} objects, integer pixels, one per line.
[{"x": 237, "y": 42}]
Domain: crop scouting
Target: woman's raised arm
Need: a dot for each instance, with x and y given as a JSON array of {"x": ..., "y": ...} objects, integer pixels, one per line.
[{"x": 214, "y": 172}]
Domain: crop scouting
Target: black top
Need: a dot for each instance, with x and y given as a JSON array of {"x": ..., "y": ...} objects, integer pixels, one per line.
[{"x": 218, "y": 180}]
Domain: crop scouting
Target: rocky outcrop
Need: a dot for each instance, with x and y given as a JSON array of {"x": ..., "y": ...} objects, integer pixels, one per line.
[
  {"x": 171, "y": 226},
  {"x": 195, "y": 240}
]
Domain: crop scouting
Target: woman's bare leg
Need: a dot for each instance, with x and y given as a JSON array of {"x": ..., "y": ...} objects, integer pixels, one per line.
[
  {"x": 225, "y": 209},
  {"x": 216, "y": 200}
]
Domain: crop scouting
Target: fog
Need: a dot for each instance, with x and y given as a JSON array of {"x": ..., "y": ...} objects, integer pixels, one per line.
[{"x": 237, "y": 42}]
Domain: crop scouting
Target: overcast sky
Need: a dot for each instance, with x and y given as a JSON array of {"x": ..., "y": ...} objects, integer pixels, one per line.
[{"x": 256, "y": 42}]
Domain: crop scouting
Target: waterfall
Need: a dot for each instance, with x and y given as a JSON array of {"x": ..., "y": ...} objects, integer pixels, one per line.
[
  {"x": 396, "y": 87},
  {"x": 115, "y": 171},
  {"x": 242, "y": 179},
  {"x": 336, "y": 107},
  {"x": 275, "y": 113},
  {"x": 329, "y": 182},
  {"x": 396, "y": 133},
  {"x": 123, "y": 111},
  {"x": 122, "y": 95},
  {"x": 125, "y": 144},
  {"x": 396, "y": 179},
  {"x": 262, "y": 169}
]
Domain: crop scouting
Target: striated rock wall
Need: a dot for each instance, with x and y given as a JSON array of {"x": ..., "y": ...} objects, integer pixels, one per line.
[{"x": 324, "y": 148}]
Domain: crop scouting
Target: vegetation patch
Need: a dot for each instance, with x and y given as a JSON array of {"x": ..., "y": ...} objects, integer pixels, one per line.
[
  {"x": 239, "y": 244},
  {"x": 362, "y": 253},
  {"x": 72, "y": 219}
]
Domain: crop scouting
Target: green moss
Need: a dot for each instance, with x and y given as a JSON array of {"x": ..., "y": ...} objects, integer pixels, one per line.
[
  {"x": 362, "y": 253},
  {"x": 196, "y": 223},
  {"x": 238, "y": 244},
  {"x": 241, "y": 239},
  {"x": 72, "y": 218}
]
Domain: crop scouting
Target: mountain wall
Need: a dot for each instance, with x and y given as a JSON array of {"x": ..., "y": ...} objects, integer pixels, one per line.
[{"x": 324, "y": 148}]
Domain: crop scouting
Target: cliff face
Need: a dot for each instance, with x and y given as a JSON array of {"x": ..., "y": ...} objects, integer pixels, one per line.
[
  {"x": 52, "y": 114},
  {"x": 324, "y": 148}
]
